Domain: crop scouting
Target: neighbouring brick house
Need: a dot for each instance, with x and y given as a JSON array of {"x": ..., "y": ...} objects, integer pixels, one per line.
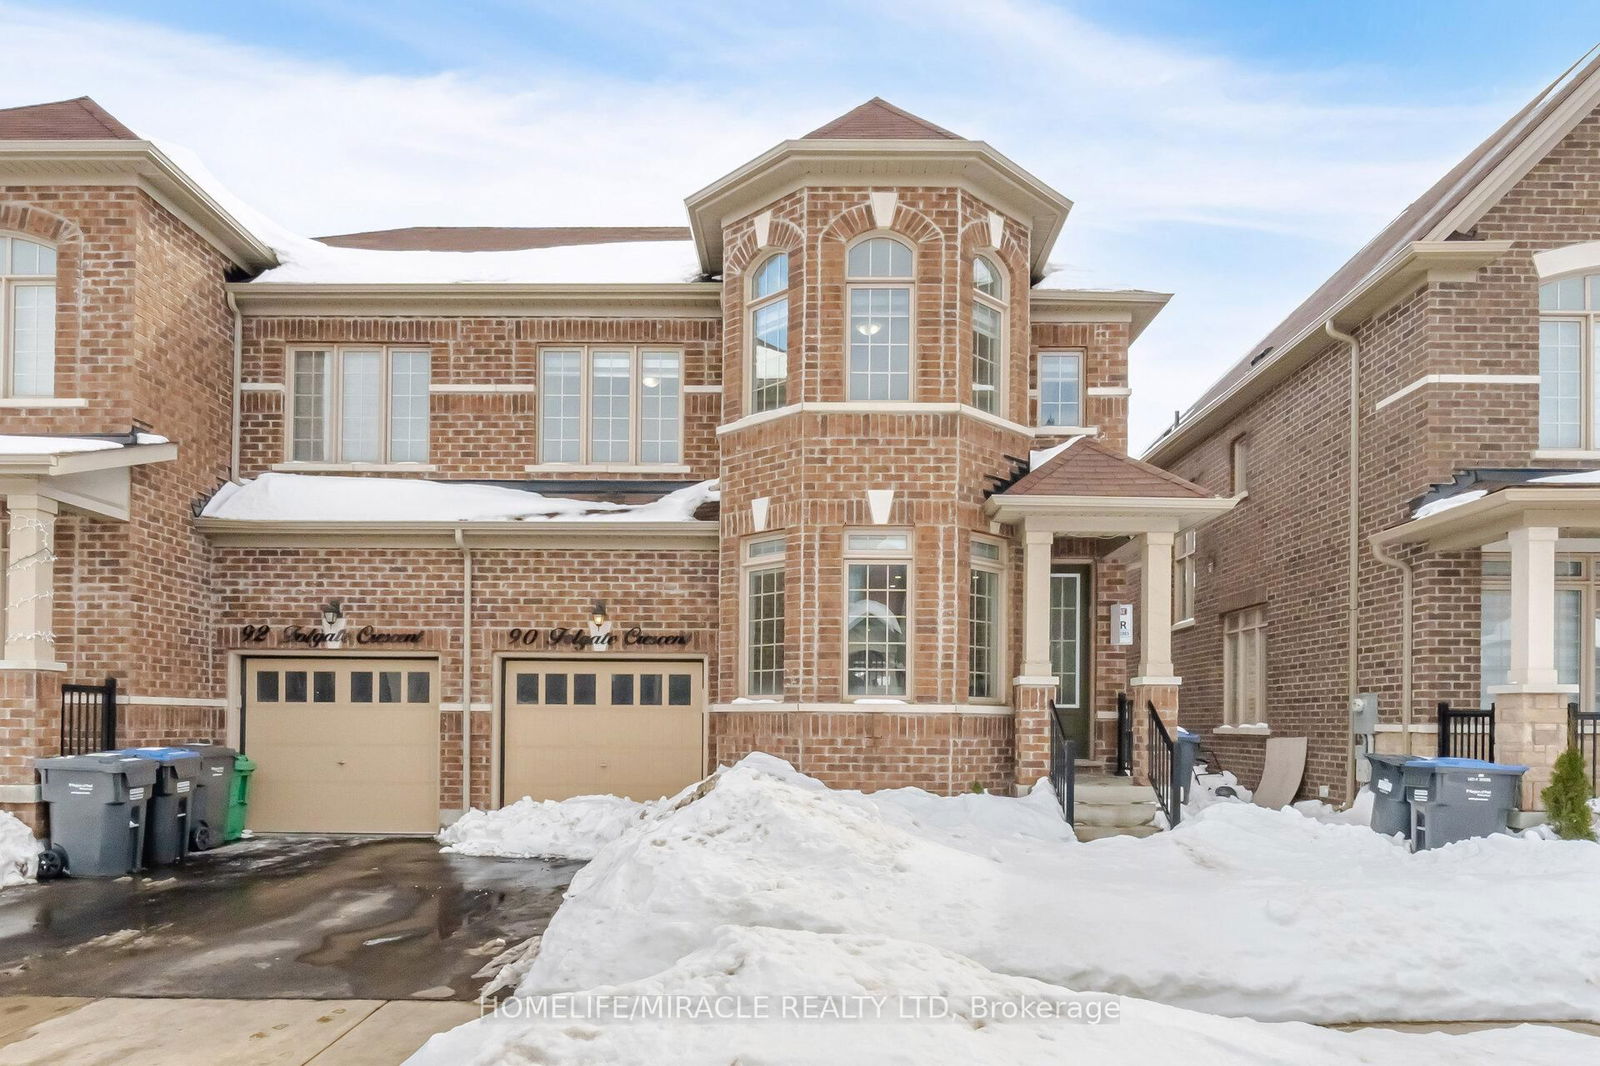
[
  {"x": 426, "y": 518},
  {"x": 1402, "y": 449}
]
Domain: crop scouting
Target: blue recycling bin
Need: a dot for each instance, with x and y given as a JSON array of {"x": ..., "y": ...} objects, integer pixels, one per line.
[
  {"x": 166, "y": 841},
  {"x": 1458, "y": 799}
]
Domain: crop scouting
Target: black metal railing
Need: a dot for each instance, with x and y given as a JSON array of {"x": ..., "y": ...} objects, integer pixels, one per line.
[
  {"x": 88, "y": 717},
  {"x": 1466, "y": 732},
  {"x": 1163, "y": 768},
  {"x": 1063, "y": 767},
  {"x": 1124, "y": 735},
  {"x": 1583, "y": 733}
]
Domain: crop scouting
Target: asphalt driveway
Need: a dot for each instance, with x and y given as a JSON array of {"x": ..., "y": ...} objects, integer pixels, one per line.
[{"x": 280, "y": 917}]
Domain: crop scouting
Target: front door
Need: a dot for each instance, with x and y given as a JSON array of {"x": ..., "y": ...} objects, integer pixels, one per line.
[{"x": 1069, "y": 651}]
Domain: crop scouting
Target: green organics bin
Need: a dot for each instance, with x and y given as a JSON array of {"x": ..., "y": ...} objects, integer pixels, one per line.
[{"x": 239, "y": 796}]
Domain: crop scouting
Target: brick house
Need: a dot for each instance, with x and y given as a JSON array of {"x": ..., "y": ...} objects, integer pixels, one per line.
[
  {"x": 1402, "y": 448},
  {"x": 429, "y": 518}
]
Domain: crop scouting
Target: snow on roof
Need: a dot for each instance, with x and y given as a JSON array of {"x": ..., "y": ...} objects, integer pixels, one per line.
[
  {"x": 303, "y": 260},
  {"x": 1576, "y": 477},
  {"x": 1040, "y": 456},
  {"x": 275, "y": 497},
  {"x": 25, "y": 445}
]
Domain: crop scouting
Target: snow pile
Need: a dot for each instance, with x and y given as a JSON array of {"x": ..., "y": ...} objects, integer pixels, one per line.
[
  {"x": 19, "y": 851},
  {"x": 1240, "y": 911},
  {"x": 1358, "y": 813},
  {"x": 327, "y": 498},
  {"x": 887, "y": 998},
  {"x": 575, "y": 828}
]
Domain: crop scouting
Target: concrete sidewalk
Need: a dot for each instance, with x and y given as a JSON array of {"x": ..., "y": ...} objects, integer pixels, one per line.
[{"x": 51, "y": 1030}]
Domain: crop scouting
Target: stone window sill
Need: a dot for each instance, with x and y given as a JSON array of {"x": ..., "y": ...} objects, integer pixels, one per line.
[
  {"x": 1182, "y": 624},
  {"x": 25, "y": 402},
  {"x": 1256, "y": 729},
  {"x": 355, "y": 468},
  {"x": 607, "y": 468}
]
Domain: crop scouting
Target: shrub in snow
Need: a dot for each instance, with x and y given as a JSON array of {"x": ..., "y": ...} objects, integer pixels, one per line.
[{"x": 1566, "y": 798}]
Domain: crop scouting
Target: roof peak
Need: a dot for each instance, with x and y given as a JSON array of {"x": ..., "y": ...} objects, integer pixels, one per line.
[
  {"x": 878, "y": 119},
  {"x": 1088, "y": 466},
  {"x": 77, "y": 119}
]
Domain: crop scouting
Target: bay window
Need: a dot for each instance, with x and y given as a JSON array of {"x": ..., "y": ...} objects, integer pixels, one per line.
[
  {"x": 877, "y": 592},
  {"x": 359, "y": 405},
  {"x": 1060, "y": 388},
  {"x": 620, "y": 406},
  {"x": 988, "y": 335},
  {"x": 764, "y": 616},
  {"x": 878, "y": 272},
  {"x": 983, "y": 621},
  {"x": 769, "y": 334},
  {"x": 27, "y": 318}
]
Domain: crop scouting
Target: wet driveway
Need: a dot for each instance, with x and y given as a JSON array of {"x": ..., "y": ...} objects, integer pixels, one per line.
[{"x": 280, "y": 917}]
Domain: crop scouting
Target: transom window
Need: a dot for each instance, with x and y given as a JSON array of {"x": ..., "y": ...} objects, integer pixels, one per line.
[
  {"x": 610, "y": 405},
  {"x": 764, "y": 616},
  {"x": 769, "y": 334},
  {"x": 877, "y": 595},
  {"x": 1060, "y": 388},
  {"x": 27, "y": 318},
  {"x": 1569, "y": 389},
  {"x": 359, "y": 405},
  {"x": 1244, "y": 666},
  {"x": 984, "y": 621},
  {"x": 988, "y": 335},
  {"x": 878, "y": 271}
]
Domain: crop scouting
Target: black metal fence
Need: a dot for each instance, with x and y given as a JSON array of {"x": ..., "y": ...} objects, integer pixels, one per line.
[
  {"x": 1583, "y": 733},
  {"x": 88, "y": 717},
  {"x": 1466, "y": 732},
  {"x": 1163, "y": 767},
  {"x": 1124, "y": 735},
  {"x": 1063, "y": 767}
]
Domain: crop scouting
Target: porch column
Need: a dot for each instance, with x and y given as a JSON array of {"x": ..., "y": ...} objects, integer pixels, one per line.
[
  {"x": 1035, "y": 687},
  {"x": 1531, "y": 709},
  {"x": 30, "y": 580},
  {"x": 1154, "y": 685}
]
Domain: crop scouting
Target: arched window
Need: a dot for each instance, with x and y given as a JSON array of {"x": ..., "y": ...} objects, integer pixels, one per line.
[
  {"x": 988, "y": 335},
  {"x": 879, "y": 280},
  {"x": 769, "y": 334},
  {"x": 27, "y": 317}
]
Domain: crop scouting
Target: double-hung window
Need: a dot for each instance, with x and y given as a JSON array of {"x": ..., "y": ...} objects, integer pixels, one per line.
[
  {"x": 1569, "y": 386},
  {"x": 604, "y": 406},
  {"x": 877, "y": 601},
  {"x": 984, "y": 621},
  {"x": 769, "y": 334},
  {"x": 763, "y": 583},
  {"x": 1244, "y": 666},
  {"x": 1061, "y": 389},
  {"x": 988, "y": 335},
  {"x": 1183, "y": 576},
  {"x": 27, "y": 318},
  {"x": 878, "y": 272},
  {"x": 358, "y": 405}
]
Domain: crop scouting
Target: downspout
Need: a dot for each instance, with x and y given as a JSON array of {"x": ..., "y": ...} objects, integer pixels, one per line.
[
  {"x": 466, "y": 670},
  {"x": 238, "y": 373},
  {"x": 1386, "y": 558},
  {"x": 1353, "y": 550}
]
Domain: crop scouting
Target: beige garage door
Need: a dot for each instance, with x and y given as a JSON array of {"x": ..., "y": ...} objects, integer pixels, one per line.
[
  {"x": 583, "y": 726},
  {"x": 343, "y": 745}
]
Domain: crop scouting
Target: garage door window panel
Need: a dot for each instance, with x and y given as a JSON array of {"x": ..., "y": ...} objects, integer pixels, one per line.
[
  {"x": 361, "y": 686},
  {"x": 267, "y": 686}
]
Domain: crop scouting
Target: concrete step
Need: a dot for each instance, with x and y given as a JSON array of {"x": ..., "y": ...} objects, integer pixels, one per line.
[
  {"x": 1101, "y": 832},
  {"x": 1106, "y": 789},
  {"x": 1113, "y": 814}
]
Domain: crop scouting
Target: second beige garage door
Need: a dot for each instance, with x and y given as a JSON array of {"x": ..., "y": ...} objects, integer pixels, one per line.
[
  {"x": 592, "y": 726},
  {"x": 342, "y": 745}
]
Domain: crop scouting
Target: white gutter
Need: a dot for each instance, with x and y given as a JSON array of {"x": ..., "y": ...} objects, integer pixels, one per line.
[
  {"x": 238, "y": 374},
  {"x": 466, "y": 670},
  {"x": 1387, "y": 558},
  {"x": 1353, "y": 526}
]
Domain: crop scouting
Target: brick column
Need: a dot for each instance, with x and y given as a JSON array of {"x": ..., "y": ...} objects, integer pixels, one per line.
[
  {"x": 1530, "y": 728},
  {"x": 1165, "y": 698},
  {"x": 1032, "y": 702},
  {"x": 1531, "y": 709}
]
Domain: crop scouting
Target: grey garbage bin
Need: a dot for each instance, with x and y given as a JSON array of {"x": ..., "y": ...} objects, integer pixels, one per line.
[
  {"x": 98, "y": 809},
  {"x": 1464, "y": 798},
  {"x": 177, "y": 769},
  {"x": 208, "y": 817},
  {"x": 1183, "y": 755},
  {"x": 1391, "y": 811}
]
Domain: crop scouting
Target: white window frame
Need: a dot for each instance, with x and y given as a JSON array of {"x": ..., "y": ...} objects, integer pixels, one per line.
[
  {"x": 908, "y": 283},
  {"x": 988, "y": 557},
  {"x": 1586, "y": 317},
  {"x": 856, "y": 551},
  {"x": 333, "y": 413},
  {"x": 1239, "y": 465},
  {"x": 997, "y": 304},
  {"x": 1183, "y": 577},
  {"x": 10, "y": 284},
  {"x": 758, "y": 304},
  {"x": 637, "y": 354},
  {"x": 761, "y": 554},
  {"x": 1244, "y": 635},
  {"x": 1577, "y": 582},
  {"x": 1076, "y": 354}
]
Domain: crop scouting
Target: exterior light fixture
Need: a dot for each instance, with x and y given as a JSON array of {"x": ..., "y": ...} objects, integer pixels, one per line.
[
  {"x": 332, "y": 611},
  {"x": 598, "y": 616}
]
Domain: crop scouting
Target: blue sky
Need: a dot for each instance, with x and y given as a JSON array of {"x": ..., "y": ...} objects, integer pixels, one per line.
[{"x": 1231, "y": 153}]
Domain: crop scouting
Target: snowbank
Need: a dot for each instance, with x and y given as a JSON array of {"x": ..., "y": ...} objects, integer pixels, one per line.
[
  {"x": 575, "y": 828},
  {"x": 1241, "y": 911},
  {"x": 19, "y": 851},
  {"x": 329, "y": 498},
  {"x": 894, "y": 992}
]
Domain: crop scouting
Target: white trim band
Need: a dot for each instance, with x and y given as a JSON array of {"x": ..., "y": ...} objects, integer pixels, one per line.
[
  {"x": 485, "y": 389},
  {"x": 22, "y": 403},
  {"x": 262, "y": 386},
  {"x": 984, "y": 709},
  {"x": 1109, "y": 390},
  {"x": 170, "y": 701},
  {"x": 1455, "y": 379},
  {"x": 702, "y": 390},
  {"x": 21, "y": 794}
]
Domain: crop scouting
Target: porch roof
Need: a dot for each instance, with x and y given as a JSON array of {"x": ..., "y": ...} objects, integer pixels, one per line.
[
  {"x": 87, "y": 473},
  {"x": 1487, "y": 514}
]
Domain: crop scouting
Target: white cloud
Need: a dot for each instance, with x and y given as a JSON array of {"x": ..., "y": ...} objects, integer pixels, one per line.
[{"x": 1151, "y": 138}]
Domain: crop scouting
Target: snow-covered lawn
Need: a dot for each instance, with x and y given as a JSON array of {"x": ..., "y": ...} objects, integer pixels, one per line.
[
  {"x": 19, "y": 851},
  {"x": 770, "y": 883}
]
